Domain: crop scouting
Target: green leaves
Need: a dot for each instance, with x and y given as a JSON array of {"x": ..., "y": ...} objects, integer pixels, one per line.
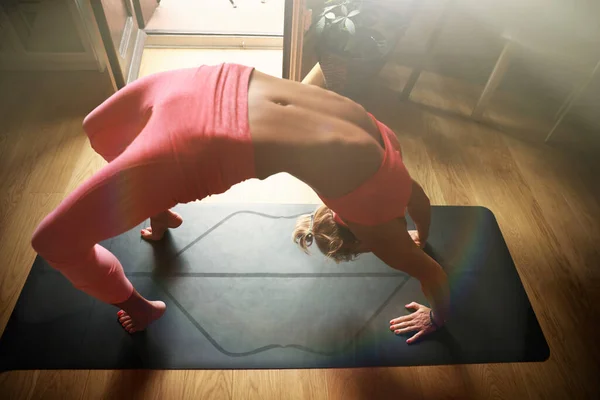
[
  {"x": 320, "y": 26},
  {"x": 328, "y": 9},
  {"x": 354, "y": 27},
  {"x": 350, "y": 27}
]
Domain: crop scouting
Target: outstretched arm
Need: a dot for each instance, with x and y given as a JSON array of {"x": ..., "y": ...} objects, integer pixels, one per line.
[
  {"x": 419, "y": 209},
  {"x": 393, "y": 245}
]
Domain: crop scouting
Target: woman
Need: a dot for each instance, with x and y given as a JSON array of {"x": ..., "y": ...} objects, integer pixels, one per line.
[{"x": 179, "y": 136}]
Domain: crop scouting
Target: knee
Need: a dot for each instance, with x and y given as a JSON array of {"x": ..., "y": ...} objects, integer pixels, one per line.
[
  {"x": 45, "y": 238},
  {"x": 39, "y": 240},
  {"x": 92, "y": 122},
  {"x": 53, "y": 242}
]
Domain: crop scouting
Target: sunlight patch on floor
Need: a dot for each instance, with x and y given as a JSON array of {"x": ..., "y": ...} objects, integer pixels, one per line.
[{"x": 219, "y": 17}]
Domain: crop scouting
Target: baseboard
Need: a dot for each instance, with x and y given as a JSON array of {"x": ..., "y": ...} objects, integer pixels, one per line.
[{"x": 180, "y": 40}]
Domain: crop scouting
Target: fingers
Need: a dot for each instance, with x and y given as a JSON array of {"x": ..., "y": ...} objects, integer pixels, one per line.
[
  {"x": 411, "y": 306},
  {"x": 405, "y": 330},
  {"x": 400, "y": 325},
  {"x": 400, "y": 320},
  {"x": 403, "y": 322},
  {"x": 415, "y": 337}
]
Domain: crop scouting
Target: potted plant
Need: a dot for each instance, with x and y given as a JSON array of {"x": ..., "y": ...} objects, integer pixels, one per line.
[{"x": 354, "y": 38}]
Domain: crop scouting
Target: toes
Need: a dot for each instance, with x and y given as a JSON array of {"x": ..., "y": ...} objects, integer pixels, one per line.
[
  {"x": 149, "y": 234},
  {"x": 126, "y": 322},
  {"x": 128, "y": 325},
  {"x": 146, "y": 233},
  {"x": 124, "y": 318}
]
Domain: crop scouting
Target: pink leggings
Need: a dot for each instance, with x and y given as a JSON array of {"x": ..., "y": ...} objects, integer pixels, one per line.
[{"x": 141, "y": 180}]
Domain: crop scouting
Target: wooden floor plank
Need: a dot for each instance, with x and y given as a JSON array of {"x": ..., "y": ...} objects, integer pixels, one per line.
[
  {"x": 64, "y": 385},
  {"x": 209, "y": 385},
  {"x": 373, "y": 383},
  {"x": 279, "y": 384},
  {"x": 18, "y": 385}
]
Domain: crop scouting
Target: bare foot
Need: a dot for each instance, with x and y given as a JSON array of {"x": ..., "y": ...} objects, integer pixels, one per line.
[
  {"x": 137, "y": 312},
  {"x": 160, "y": 223}
]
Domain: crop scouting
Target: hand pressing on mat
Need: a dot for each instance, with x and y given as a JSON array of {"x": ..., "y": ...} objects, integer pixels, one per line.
[
  {"x": 160, "y": 223},
  {"x": 419, "y": 321}
]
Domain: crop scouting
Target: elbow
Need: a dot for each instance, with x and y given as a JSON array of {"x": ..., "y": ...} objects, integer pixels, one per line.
[
  {"x": 426, "y": 200},
  {"x": 419, "y": 195}
]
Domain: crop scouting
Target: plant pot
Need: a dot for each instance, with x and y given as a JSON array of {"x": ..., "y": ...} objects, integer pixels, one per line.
[
  {"x": 361, "y": 74},
  {"x": 335, "y": 71},
  {"x": 349, "y": 75}
]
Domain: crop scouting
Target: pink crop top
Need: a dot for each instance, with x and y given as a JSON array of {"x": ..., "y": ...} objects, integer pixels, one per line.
[{"x": 381, "y": 198}]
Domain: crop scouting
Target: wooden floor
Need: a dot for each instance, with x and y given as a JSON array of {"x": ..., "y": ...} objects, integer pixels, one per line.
[
  {"x": 163, "y": 59},
  {"x": 545, "y": 200}
]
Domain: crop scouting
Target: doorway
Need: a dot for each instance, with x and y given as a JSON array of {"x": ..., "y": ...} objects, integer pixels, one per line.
[
  {"x": 183, "y": 33},
  {"x": 218, "y": 17},
  {"x": 149, "y": 36}
]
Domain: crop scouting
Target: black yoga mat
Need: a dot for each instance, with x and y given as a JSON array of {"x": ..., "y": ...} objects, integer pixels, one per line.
[{"x": 240, "y": 294}]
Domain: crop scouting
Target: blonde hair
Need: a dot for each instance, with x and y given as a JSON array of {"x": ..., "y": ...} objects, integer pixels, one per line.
[{"x": 334, "y": 240}]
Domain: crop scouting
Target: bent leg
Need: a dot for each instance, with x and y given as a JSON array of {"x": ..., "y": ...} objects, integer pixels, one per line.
[
  {"x": 113, "y": 125},
  {"x": 113, "y": 201},
  {"x": 120, "y": 196}
]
